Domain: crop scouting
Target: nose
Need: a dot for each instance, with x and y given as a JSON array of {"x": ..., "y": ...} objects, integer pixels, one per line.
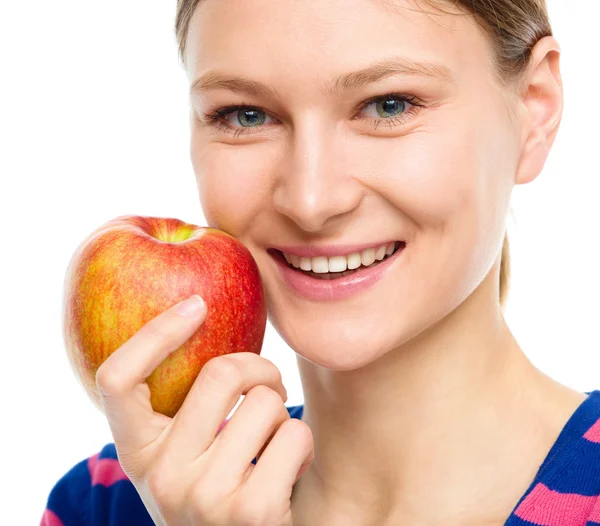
[{"x": 314, "y": 184}]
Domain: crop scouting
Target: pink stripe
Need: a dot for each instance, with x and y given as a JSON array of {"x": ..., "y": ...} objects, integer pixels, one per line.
[
  {"x": 105, "y": 471},
  {"x": 595, "y": 514},
  {"x": 547, "y": 507},
  {"x": 593, "y": 433},
  {"x": 50, "y": 519}
]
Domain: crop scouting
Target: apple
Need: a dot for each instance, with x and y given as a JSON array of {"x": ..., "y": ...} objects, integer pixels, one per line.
[{"x": 131, "y": 269}]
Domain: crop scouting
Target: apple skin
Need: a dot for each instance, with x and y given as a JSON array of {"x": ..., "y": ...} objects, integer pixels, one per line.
[{"x": 133, "y": 268}]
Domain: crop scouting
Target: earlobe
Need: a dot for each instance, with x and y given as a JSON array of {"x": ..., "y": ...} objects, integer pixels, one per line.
[
  {"x": 542, "y": 102},
  {"x": 533, "y": 158}
]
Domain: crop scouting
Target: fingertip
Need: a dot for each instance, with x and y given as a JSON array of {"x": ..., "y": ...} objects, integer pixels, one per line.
[{"x": 191, "y": 307}]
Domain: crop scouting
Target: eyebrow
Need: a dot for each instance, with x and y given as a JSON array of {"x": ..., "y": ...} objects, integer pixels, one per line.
[{"x": 354, "y": 80}]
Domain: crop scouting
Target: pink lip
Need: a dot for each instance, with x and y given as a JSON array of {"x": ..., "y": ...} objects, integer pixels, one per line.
[
  {"x": 329, "y": 250},
  {"x": 334, "y": 289}
]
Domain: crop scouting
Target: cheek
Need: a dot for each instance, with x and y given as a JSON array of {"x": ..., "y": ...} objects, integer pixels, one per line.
[
  {"x": 231, "y": 185},
  {"x": 453, "y": 173},
  {"x": 450, "y": 186},
  {"x": 429, "y": 176}
]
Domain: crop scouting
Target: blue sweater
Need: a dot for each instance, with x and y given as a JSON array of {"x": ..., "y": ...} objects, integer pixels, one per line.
[{"x": 564, "y": 492}]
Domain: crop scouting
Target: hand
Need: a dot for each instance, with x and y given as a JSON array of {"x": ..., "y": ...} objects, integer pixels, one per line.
[{"x": 186, "y": 471}]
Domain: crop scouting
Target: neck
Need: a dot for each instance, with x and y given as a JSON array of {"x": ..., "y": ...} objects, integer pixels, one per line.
[{"x": 430, "y": 420}]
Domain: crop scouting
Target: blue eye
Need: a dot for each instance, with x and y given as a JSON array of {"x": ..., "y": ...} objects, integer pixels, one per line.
[
  {"x": 392, "y": 109},
  {"x": 250, "y": 117},
  {"x": 390, "y": 105}
]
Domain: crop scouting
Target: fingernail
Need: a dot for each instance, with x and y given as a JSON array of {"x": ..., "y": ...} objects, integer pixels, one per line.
[{"x": 190, "y": 307}]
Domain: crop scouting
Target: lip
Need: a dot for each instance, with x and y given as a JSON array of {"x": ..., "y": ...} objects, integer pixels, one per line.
[
  {"x": 329, "y": 250},
  {"x": 335, "y": 289}
]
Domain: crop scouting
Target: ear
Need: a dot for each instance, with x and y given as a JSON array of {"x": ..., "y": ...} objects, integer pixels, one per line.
[{"x": 541, "y": 101}]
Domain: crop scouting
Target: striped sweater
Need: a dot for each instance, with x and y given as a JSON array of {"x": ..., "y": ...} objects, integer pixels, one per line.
[{"x": 564, "y": 492}]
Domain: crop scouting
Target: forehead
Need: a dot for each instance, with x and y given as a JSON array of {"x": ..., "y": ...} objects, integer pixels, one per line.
[{"x": 319, "y": 39}]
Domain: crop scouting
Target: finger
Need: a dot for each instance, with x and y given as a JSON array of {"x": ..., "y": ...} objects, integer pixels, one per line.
[
  {"x": 213, "y": 396},
  {"x": 250, "y": 427},
  {"x": 286, "y": 457},
  {"x": 121, "y": 378}
]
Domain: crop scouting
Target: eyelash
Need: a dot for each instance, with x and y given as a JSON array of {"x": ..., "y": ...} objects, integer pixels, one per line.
[{"x": 216, "y": 117}]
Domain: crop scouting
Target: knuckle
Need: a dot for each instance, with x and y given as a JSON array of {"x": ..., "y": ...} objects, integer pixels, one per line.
[
  {"x": 277, "y": 373},
  {"x": 269, "y": 363},
  {"x": 223, "y": 372},
  {"x": 266, "y": 397},
  {"x": 273, "y": 369},
  {"x": 301, "y": 432},
  {"x": 109, "y": 381}
]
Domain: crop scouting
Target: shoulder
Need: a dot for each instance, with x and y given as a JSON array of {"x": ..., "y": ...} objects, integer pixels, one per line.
[
  {"x": 567, "y": 484},
  {"x": 95, "y": 492}
]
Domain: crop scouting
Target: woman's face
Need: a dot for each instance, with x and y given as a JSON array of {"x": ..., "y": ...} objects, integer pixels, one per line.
[{"x": 310, "y": 161}]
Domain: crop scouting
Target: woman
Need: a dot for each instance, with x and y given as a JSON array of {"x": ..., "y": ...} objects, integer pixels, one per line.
[{"x": 365, "y": 152}]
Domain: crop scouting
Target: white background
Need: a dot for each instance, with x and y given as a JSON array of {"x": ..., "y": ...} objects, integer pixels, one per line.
[{"x": 94, "y": 124}]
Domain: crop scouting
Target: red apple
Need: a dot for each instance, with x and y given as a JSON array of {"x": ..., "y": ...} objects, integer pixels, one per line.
[{"x": 133, "y": 268}]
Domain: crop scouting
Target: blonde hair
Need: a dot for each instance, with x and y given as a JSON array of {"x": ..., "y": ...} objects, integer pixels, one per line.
[{"x": 513, "y": 27}]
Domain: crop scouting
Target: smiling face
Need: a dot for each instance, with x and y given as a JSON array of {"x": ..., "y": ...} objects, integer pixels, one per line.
[{"x": 311, "y": 161}]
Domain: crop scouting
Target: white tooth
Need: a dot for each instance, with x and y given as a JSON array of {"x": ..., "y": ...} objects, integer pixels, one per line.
[
  {"x": 337, "y": 263},
  {"x": 324, "y": 264},
  {"x": 354, "y": 261},
  {"x": 380, "y": 253},
  {"x": 368, "y": 257},
  {"x": 305, "y": 263},
  {"x": 319, "y": 265},
  {"x": 295, "y": 260}
]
